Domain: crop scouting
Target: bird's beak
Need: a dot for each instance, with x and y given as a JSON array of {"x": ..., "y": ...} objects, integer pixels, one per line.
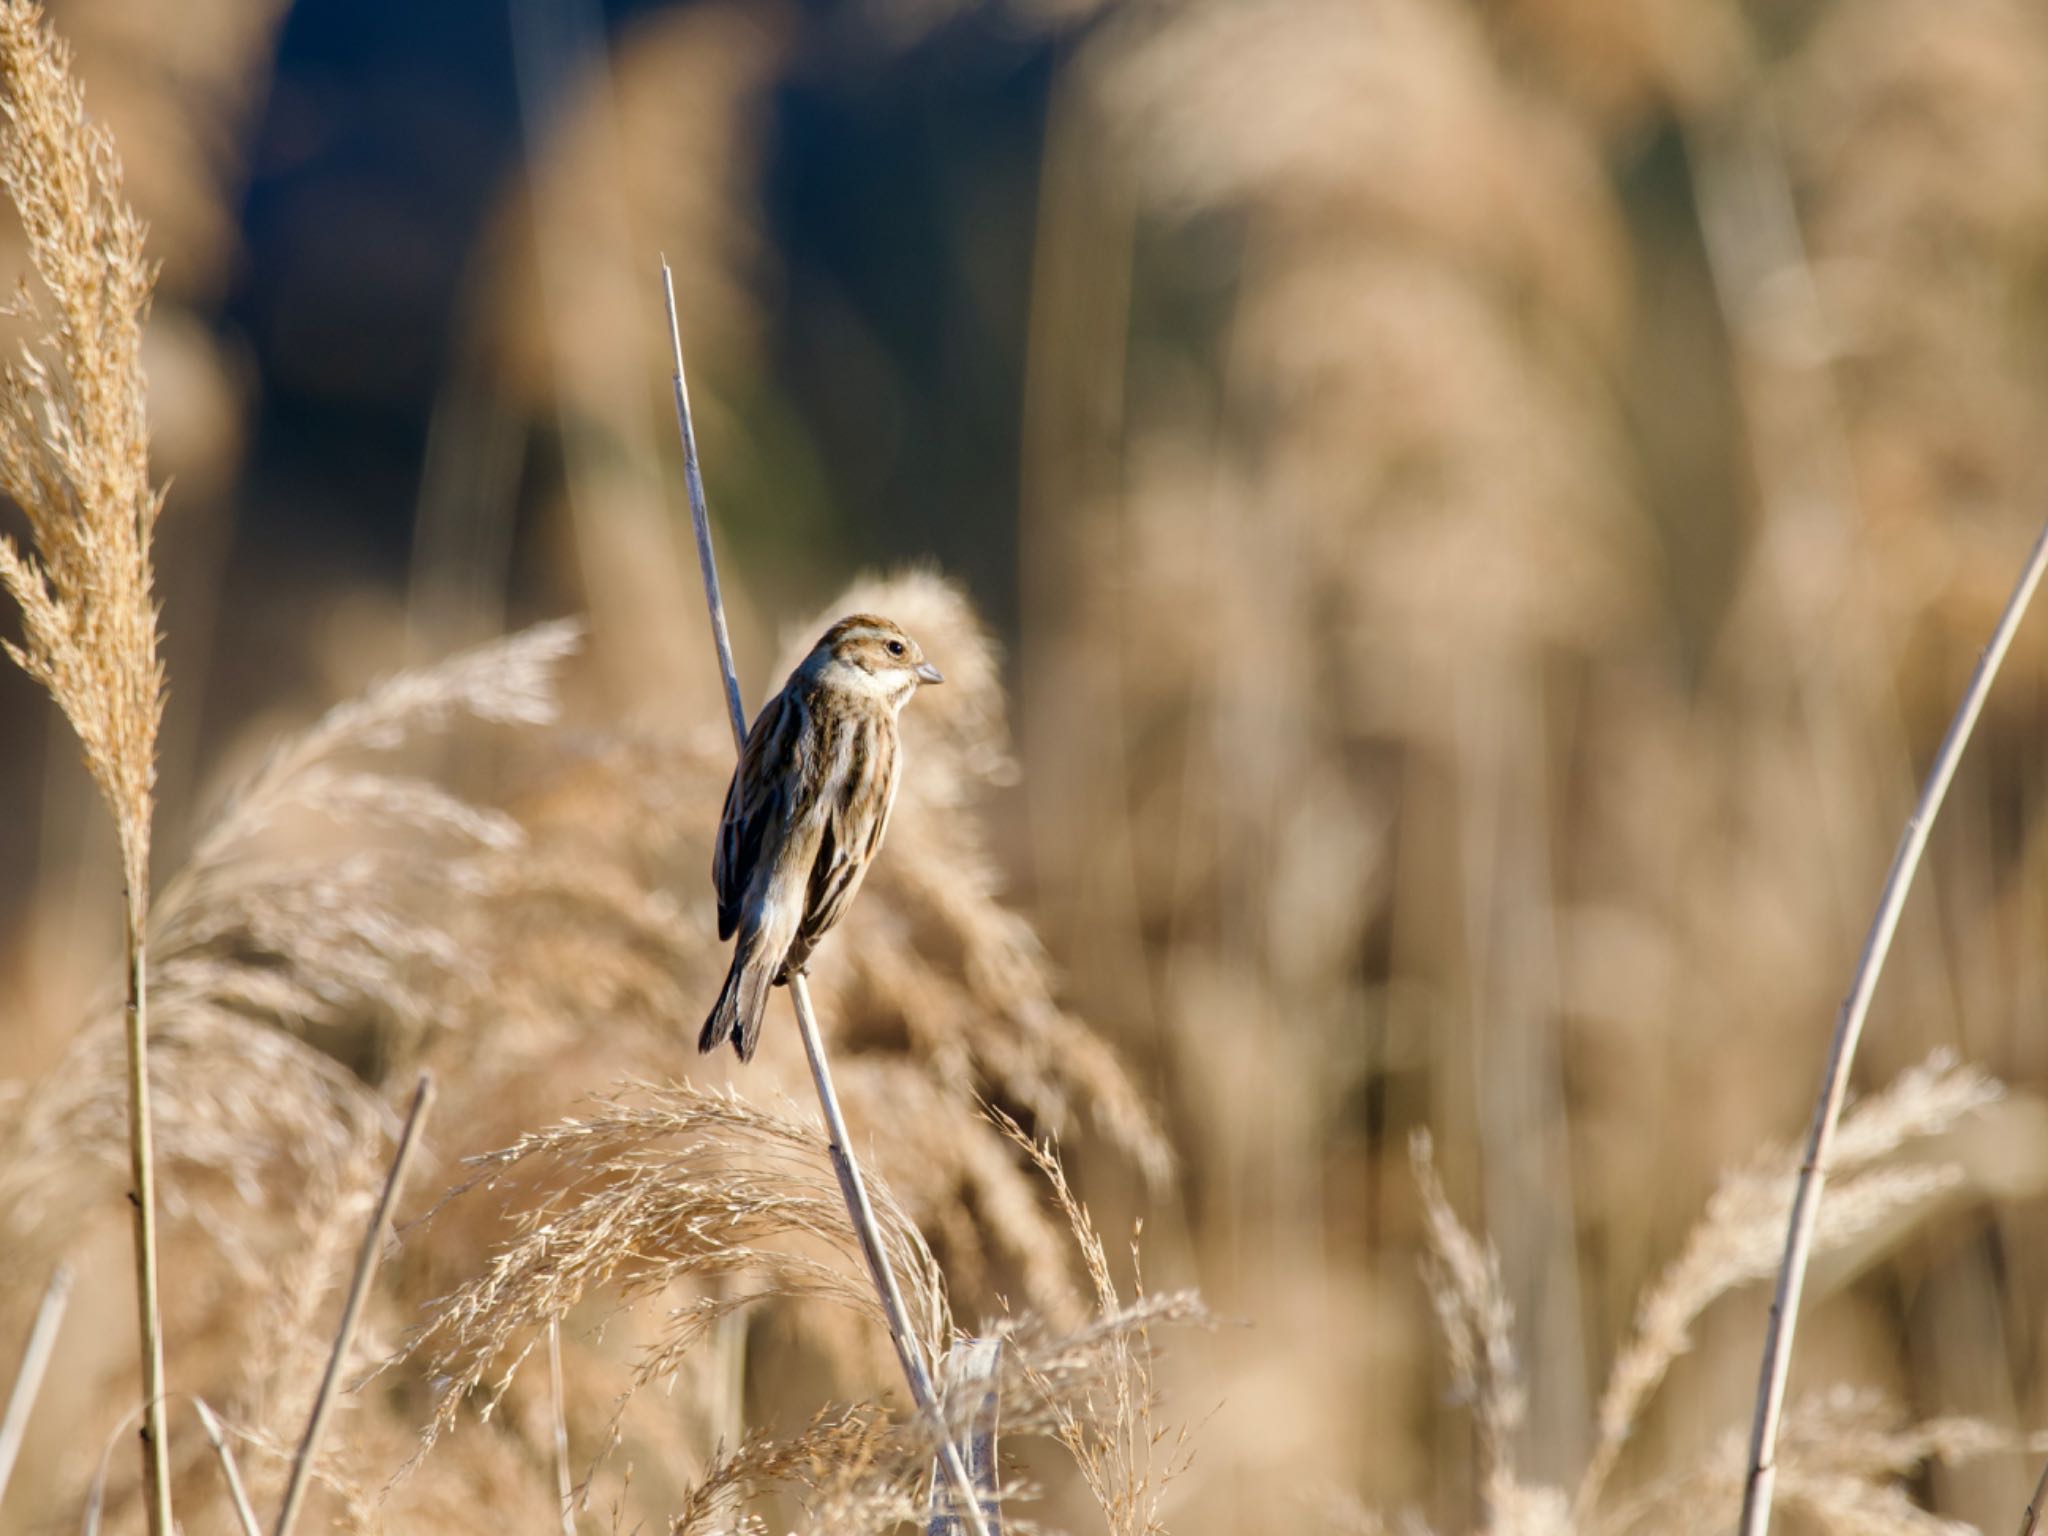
[{"x": 925, "y": 672}]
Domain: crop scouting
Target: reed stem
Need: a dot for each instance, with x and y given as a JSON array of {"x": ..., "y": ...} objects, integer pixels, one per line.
[
  {"x": 860, "y": 1211},
  {"x": 1761, "y": 1481},
  {"x": 238, "y": 1492},
  {"x": 156, "y": 1465},
  {"x": 352, "y": 1310}
]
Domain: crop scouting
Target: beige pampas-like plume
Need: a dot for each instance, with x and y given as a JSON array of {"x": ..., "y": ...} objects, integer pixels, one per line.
[
  {"x": 74, "y": 439},
  {"x": 74, "y": 455}
]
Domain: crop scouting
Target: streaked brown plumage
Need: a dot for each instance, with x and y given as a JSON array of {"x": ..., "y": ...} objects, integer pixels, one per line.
[{"x": 806, "y": 811}]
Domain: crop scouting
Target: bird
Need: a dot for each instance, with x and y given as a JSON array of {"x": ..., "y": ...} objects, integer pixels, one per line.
[{"x": 806, "y": 810}]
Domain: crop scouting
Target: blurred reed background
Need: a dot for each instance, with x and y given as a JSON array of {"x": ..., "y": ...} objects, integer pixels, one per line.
[{"x": 1477, "y": 513}]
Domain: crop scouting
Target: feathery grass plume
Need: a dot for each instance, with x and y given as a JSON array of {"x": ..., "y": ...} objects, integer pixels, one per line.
[
  {"x": 1740, "y": 1239},
  {"x": 1850, "y": 1448},
  {"x": 1093, "y": 1388},
  {"x": 695, "y": 1203},
  {"x": 249, "y": 1120},
  {"x": 355, "y": 931},
  {"x": 983, "y": 1214},
  {"x": 247, "y": 945},
  {"x": 686, "y": 1185},
  {"x": 1844, "y": 1459},
  {"x": 1472, "y": 1308},
  {"x": 318, "y": 904},
  {"x": 519, "y": 945},
  {"x": 74, "y": 456},
  {"x": 848, "y": 1466},
  {"x": 74, "y": 432}
]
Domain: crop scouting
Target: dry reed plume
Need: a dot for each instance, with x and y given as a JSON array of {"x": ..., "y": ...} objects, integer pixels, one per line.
[
  {"x": 74, "y": 434},
  {"x": 365, "y": 894},
  {"x": 712, "y": 1205},
  {"x": 74, "y": 456},
  {"x": 1844, "y": 1451}
]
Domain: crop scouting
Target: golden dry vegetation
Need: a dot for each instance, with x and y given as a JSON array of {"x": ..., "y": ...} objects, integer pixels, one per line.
[{"x": 1505, "y": 498}]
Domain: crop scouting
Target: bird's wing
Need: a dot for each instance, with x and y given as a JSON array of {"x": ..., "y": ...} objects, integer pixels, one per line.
[
  {"x": 758, "y": 803},
  {"x": 852, "y": 833}
]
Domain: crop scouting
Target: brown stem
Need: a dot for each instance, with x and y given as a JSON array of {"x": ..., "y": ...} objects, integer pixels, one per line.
[{"x": 156, "y": 1466}]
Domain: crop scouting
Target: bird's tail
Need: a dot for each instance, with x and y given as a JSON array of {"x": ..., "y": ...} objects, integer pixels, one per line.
[{"x": 737, "y": 1014}]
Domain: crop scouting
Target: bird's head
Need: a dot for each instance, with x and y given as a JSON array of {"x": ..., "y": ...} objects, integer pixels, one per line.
[{"x": 875, "y": 654}]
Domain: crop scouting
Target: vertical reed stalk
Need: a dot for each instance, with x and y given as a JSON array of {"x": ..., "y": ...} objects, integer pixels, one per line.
[
  {"x": 565, "y": 1485},
  {"x": 74, "y": 457},
  {"x": 1761, "y": 1481},
  {"x": 142, "y": 1171},
  {"x": 352, "y": 1309},
  {"x": 231, "y": 1473},
  {"x": 860, "y": 1211}
]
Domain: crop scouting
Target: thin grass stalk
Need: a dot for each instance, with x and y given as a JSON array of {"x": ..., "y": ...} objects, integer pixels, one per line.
[
  {"x": 854, "y": 1189},
  {"x": 352, "y": 1309},
  {"x": 231, "y": 1472},
  {"x": 565, "y": 1485},
  {"x": 156, "y": 1462},
  {"x": 851, "y": 1186},
  {"x": 1761, "y": 1480},
  {"x": 972, "y": 1371},
  {"x": 2031, "y": 1520},
  {"x": 35, "y": 1361},
  {"x": 700, "y": 520},
  {"x": 96, "y": 1490},
  {"x": 238, "y": 1493}
]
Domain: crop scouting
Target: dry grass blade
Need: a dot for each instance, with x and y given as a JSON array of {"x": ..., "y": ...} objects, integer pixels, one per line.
[
  {"x": 74, "y": 455},
  {"x": 352, "y": 1309},
  {"x": 1799, "y": 1237},
  {"x": 700, "y": 521},
  {"x": 916, "y": 1365},
  {"x": 230, "y": 1471},
  {"x": 28, "y": 1377}
]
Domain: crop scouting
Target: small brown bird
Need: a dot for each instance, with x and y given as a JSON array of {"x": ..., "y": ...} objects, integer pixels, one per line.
[{"x": 806, "y": 810}]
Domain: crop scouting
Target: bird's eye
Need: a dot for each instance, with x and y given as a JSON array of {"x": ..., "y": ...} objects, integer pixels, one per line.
[{"x": 895, "y": 647}]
